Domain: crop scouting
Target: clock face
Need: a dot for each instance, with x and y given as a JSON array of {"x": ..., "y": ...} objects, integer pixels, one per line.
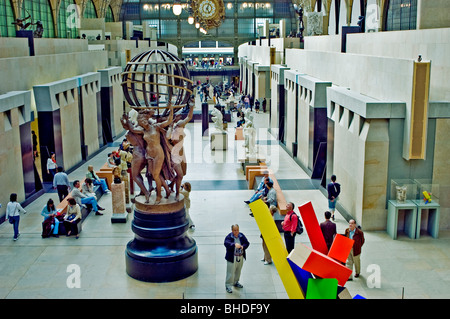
[
  {"x": 210, "y": 13},
  {"x": 207, "y": 8}
]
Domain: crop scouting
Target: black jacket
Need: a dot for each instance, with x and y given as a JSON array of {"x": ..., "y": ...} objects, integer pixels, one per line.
[
  {"x": 229, "y": 245},
  {"x": 334, "y": 189}
]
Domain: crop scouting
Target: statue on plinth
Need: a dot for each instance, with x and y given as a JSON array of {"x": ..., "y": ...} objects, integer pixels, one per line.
[
  {"x": 217, "y": 118},
  {"x": 20, "y": 23},
  {"x": 249, "y": 134},
  {"x": 176, "y": 135},
  {"x": 249, "y": 139},
  {"x": 157, "y": 86},
  {"x": 155, "y": 154}
]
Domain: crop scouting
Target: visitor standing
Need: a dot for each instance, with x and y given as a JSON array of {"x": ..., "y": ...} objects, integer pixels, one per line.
[
  {"x": 355, "y": 233},
  {"x": 289, "y": 225},
  {"x": 51, "y": 164},
  {"x": 236, "y": 245},
  {"x": 61, "y": 183},
  {"x": 35, "y": 144},
  {"x": 267, "y": 258},
  {"x": 328, "y": 229},
  {"x": 13, "y": 210},
  {"x": 333, "y": 189}
]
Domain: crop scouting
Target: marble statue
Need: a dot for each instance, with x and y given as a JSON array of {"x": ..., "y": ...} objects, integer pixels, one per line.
[{"x": 217, "y": 119}]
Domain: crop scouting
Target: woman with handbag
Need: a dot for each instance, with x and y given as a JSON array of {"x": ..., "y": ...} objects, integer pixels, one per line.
[{"x": 13, "y": 210}]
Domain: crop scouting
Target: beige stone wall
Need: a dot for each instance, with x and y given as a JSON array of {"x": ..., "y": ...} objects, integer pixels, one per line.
[
  {"x": 441, "y": 171},
  {"x": 433, "y": 45},
  {"x": 433, "y": 14},
  {"x": 13, "y": 47},
  {"x": 45, "y": 46},
  {"x": 90, "y": 116},
  {"x": 118, "y": 105},
  {"x": 348, "y": 162},
  {"x": 260, "y": 86},
  {"x": 289, "y": 131},
  {"x": 374, "y": 215},
  {"x": 274, "y": 101},
  {"x": 70, "y": 128},
  {"x": 11, "y": 172},
  {"x": 303, "y": 126},
  {"x": 25, "y": 72}
]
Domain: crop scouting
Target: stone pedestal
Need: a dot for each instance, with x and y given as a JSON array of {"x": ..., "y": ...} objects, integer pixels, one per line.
[
  {"x": 219, "y": 140},
  {"x": 161, "y": 251},
  {"x": 126, "y": 181},
  {"x": 119, "y": 212}
]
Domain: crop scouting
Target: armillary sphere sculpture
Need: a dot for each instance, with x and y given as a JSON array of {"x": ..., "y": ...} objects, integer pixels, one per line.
[{"x": 157, "y": 86}]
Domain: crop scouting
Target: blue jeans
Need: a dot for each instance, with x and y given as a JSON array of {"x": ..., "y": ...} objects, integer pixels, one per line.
[
  {"x": 16, "y": 220},
  {"x": 255, "y": 197},
  {"x": 90, "y": 200},
  {"x": 56, "y": 227},
  {"x": 102, "y": 183},
  {"x": 332, "y": 204}
]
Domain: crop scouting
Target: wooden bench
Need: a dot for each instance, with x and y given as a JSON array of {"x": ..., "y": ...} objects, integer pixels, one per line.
[
  {"x": 106, "y": 172},
  {"x": 248, "y": 167},
  {"x": 252, "y": 173},
  {"x": 239, "y": 134},
  {"x": 62, "y": 206},
  {"x": 281, "y": 200}
]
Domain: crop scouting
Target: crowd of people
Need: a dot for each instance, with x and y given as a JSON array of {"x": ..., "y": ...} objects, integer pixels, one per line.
[
  {"x": 236, "y": 243},
  {"x": 82, "y": 195}
]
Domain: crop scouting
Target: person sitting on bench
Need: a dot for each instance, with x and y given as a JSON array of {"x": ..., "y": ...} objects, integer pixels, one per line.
[
  {"x": 72, "y": 218},
  {"x": 97, "y": 180},
  {"x": 271, "y": 198},
  {"x": 262, "y": 190},
  {"x": 83, "y": 199}
]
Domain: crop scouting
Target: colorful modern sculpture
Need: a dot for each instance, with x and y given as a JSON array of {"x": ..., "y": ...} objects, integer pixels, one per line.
[
  {"x": 318, "y": 273},
  {"x": 276, "y": 247},
  {"x": 426, "y": 197}
]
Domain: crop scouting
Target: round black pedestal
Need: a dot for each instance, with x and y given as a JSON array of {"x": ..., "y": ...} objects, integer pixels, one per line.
[{"x": 161, "y": 251}]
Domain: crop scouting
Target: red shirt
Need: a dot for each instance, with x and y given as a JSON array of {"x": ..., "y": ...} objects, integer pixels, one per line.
[{"x": 288, "y": 224}]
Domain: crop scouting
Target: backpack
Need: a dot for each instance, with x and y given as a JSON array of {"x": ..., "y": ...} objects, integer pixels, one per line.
[{"x": 299, "y": 229}]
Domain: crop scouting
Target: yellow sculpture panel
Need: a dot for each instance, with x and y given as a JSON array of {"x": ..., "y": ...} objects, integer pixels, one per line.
[{"x": 276, "y": 247}]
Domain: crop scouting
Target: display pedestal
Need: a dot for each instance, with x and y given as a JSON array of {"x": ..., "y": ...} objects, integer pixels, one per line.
[
  {"x": 432, "y": 221},
  {"x": 120, "y": 214},
  {"x": 161, "y": 251},
  {"x": 410, "y": 210}
]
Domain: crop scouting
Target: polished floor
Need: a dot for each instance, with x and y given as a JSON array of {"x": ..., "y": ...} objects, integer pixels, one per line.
[{"x": 33, "y": 267}]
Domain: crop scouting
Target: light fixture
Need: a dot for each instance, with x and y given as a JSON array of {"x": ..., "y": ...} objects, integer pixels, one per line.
[
  {"x": 191, "y": 20},
  {"x": 197, "y": 25},
  {"x": 177, "y": 8},
  {"x": 146, "y": 6}
]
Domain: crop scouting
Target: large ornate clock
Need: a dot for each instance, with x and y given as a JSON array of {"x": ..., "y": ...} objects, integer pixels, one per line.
[{"x": 210, "y": 13}]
